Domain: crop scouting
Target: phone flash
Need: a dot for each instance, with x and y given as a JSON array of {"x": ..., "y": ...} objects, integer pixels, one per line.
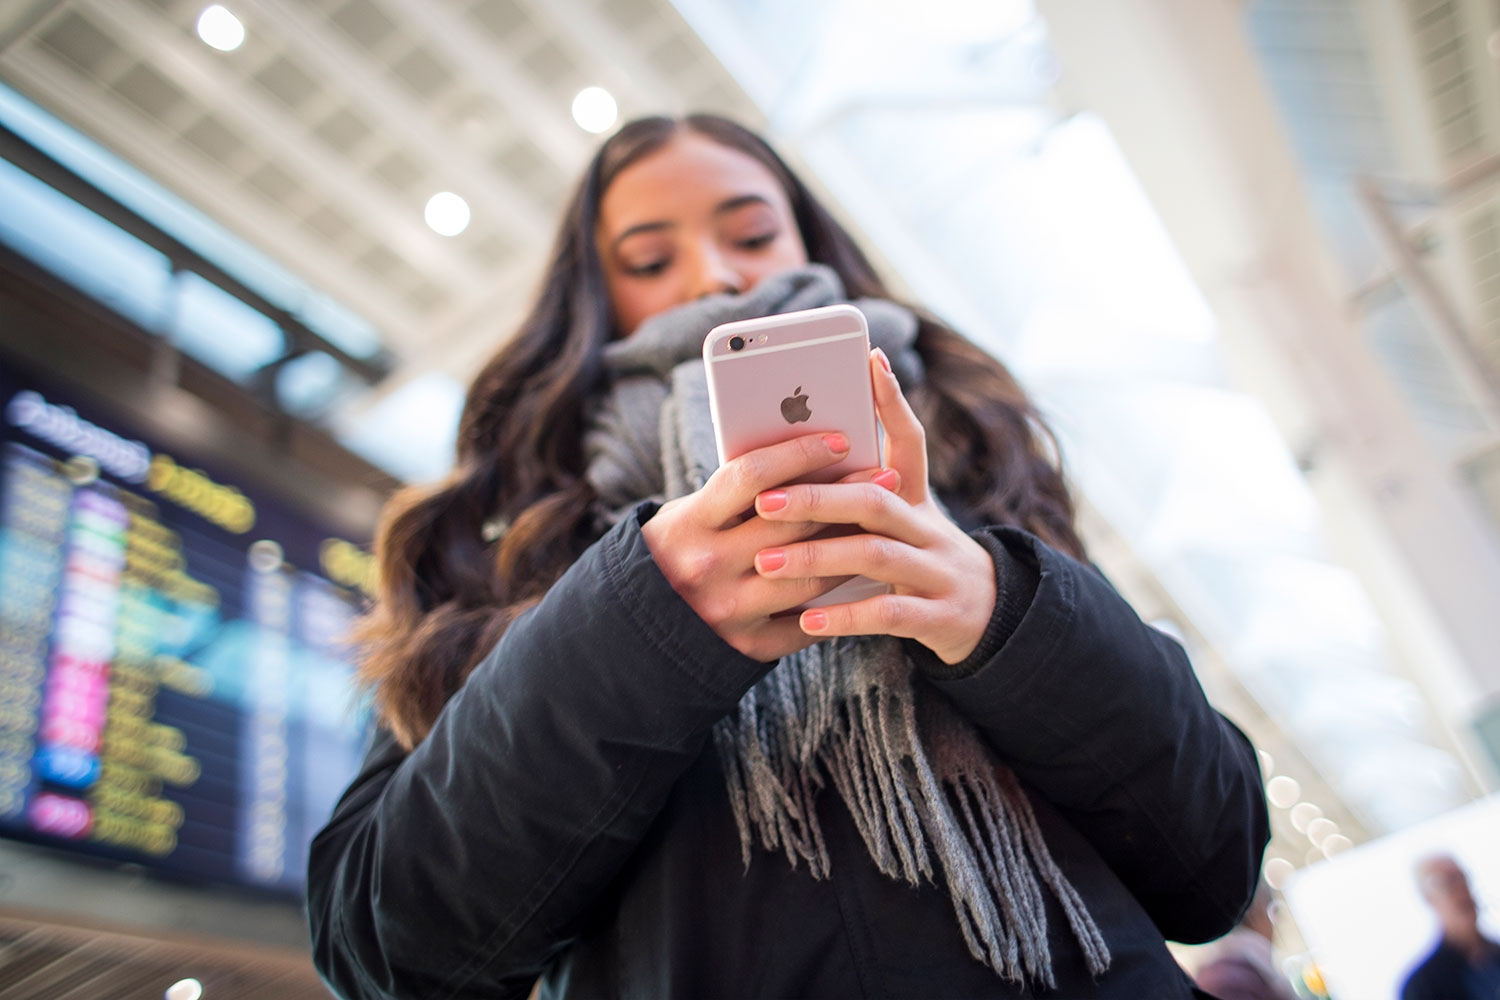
[{"x": 762, "y": 339}]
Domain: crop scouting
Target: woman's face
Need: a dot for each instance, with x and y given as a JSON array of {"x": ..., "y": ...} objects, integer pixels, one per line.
[{"x": 690, "y": 219}]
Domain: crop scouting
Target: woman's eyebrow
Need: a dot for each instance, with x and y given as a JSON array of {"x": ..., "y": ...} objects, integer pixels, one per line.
[
  {"x": 740, "y": 201},
  {"x": 636, "y": 230}
]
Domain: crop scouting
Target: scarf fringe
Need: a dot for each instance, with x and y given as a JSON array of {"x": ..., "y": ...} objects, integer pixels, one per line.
[{"x": 917, "y": 781}]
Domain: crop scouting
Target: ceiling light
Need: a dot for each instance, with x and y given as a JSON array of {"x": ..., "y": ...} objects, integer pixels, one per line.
[
  {"x": 447, "y": 213},
  {"x": 1276, "y": 871},
  {"x": 1320, "y": 830},
  {"x": 1336, "y": 844},
  {"x": 184, "y": 989},
  {"x": 595, "y": 110},
  {"x": 1283, "y": 791},
  {"x": 1267, "y": 762},
  {"x": 221, "y": 29},
  {"x": 1304, "y": 813}
]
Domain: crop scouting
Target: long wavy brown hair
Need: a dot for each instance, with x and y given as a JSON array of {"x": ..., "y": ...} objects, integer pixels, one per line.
[{"x": 447, "y": 592}]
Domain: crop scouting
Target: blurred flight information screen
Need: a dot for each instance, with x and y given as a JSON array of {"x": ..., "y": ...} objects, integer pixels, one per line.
[{"x": 175, "y": 686}]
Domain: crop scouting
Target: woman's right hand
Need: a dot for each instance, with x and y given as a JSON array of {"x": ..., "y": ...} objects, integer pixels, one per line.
[{"x": 705, "y": 544}]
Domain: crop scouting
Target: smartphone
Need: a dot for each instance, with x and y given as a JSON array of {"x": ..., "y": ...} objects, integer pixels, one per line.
[{"x": 780, "y": 377}]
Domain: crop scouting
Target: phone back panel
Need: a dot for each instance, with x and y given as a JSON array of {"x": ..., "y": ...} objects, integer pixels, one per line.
[{"x": 798, "y": 373}]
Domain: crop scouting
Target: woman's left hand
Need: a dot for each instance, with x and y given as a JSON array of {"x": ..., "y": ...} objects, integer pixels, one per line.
[{"x": 943, "y": 581}]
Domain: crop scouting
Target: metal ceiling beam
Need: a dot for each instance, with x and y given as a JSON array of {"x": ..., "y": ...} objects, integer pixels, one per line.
[
  {"x": 1467, "y": 362},
  {"x": 116, "y": 126},
  {"x": 21, "y": 22},
  {"x": 272, "y": 129},
  {"x": 337, "y": 60},
  {"x": 490, "y": 66}
]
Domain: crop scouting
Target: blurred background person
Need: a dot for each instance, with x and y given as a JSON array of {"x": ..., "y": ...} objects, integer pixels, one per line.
[
  {"x": 1464, "y": 964},
  {"x": 1243, "y": 966}
]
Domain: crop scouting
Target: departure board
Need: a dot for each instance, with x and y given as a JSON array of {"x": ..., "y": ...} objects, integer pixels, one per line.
[{"x": 176, "y": 688}]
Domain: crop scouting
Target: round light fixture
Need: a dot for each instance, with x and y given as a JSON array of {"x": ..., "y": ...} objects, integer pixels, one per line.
[
  {"x": 1336, "y": 844},
  {"x": 447, "y": 214},
  {"x": 595, "y": 110},
  {"x": 220, "y": 29},
  {"x": 1319, "y": 830},
  {"x": 1283, "y": 791},
  {"x": 184, "y": 989},
  {"x": 1304, "y": 813},
  {"x": 1276, "y": 871},
  {"x": 1267, "y": 762}
]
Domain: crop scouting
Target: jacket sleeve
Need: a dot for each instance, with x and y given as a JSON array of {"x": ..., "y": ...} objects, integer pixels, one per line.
[
  {"x": 468, "y": 863},
  {"x": 1102, "y": 715}
]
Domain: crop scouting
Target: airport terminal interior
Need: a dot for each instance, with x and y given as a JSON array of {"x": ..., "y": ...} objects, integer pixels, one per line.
[{"x": 1243, "y": 256}]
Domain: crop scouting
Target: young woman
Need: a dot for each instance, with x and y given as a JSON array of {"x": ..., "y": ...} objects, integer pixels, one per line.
[{"x": 607, "y": 759}]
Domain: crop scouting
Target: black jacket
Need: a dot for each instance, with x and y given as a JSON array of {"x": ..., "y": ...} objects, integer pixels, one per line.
[{"x": 566, "y": 817}]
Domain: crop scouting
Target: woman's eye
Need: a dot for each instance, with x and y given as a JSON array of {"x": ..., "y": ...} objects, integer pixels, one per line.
[
  {"x": 649, "y": 269},
  {"x": 756, "y": 242}
]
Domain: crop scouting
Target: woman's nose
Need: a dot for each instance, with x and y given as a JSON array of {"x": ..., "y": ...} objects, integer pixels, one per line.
[{"x": 716, "y": 276}]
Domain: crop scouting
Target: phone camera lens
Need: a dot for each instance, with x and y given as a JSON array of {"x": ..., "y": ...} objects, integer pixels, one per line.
[{"x": 736, "y": 343}]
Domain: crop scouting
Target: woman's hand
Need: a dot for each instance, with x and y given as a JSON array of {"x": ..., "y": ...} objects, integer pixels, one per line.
[
  {"x": 943, "y": 580},
  {"x": 705, "y": 545}
]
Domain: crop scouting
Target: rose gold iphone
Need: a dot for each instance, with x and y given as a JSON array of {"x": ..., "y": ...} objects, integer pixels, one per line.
[{"x": 798, "y": 373}]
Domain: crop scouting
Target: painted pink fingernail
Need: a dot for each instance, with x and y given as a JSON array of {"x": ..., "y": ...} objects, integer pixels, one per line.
[
  {"x": 888, "y": 478},
  {"x": 770, "y": 560},
  {"x": 815, "y": 621},
  {"x": 771, "y": 500},
  {"x": 885, "y": 362},
  {"x": 836, "y": 442}
]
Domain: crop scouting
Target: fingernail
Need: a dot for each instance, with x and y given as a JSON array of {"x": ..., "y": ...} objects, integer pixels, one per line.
[
  {"x": 770, "y": 560},
  {"x": 771, "y": 500},
  {"x": 814, "y": 621},
  {"x": 836, "y": 442},
  {"x": 885, "y": 362},
  {"x": 887, "y": 478}
]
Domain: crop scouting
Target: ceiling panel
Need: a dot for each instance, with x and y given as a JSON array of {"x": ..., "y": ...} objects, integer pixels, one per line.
[
  {"x": 321, "y": 138},
  {"x": 1318, "y": 64}
]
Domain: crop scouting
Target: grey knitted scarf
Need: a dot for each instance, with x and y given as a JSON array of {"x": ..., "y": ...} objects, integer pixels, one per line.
[{"x": 915, "y": 775}]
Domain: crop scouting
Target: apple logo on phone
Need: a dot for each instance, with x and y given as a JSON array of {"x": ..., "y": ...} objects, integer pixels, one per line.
[{"x": 794, "y": 408}]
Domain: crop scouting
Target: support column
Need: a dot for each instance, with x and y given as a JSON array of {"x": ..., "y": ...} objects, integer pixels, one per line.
[{"x": 1180, "y": 88}]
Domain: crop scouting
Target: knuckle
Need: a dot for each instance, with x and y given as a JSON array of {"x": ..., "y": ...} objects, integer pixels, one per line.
[
  {"x": 806, "y": 559},
  {"x": 888, "y": 613},
  {"x": 697, "y": 568},
  {"x": 739, "y": 475},
  {"x": 720, "y": 608},
  {"x": 814, "y": 498}
]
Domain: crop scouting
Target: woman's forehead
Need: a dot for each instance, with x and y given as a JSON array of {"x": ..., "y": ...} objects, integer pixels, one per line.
[{"x": 691, "y": 172}]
